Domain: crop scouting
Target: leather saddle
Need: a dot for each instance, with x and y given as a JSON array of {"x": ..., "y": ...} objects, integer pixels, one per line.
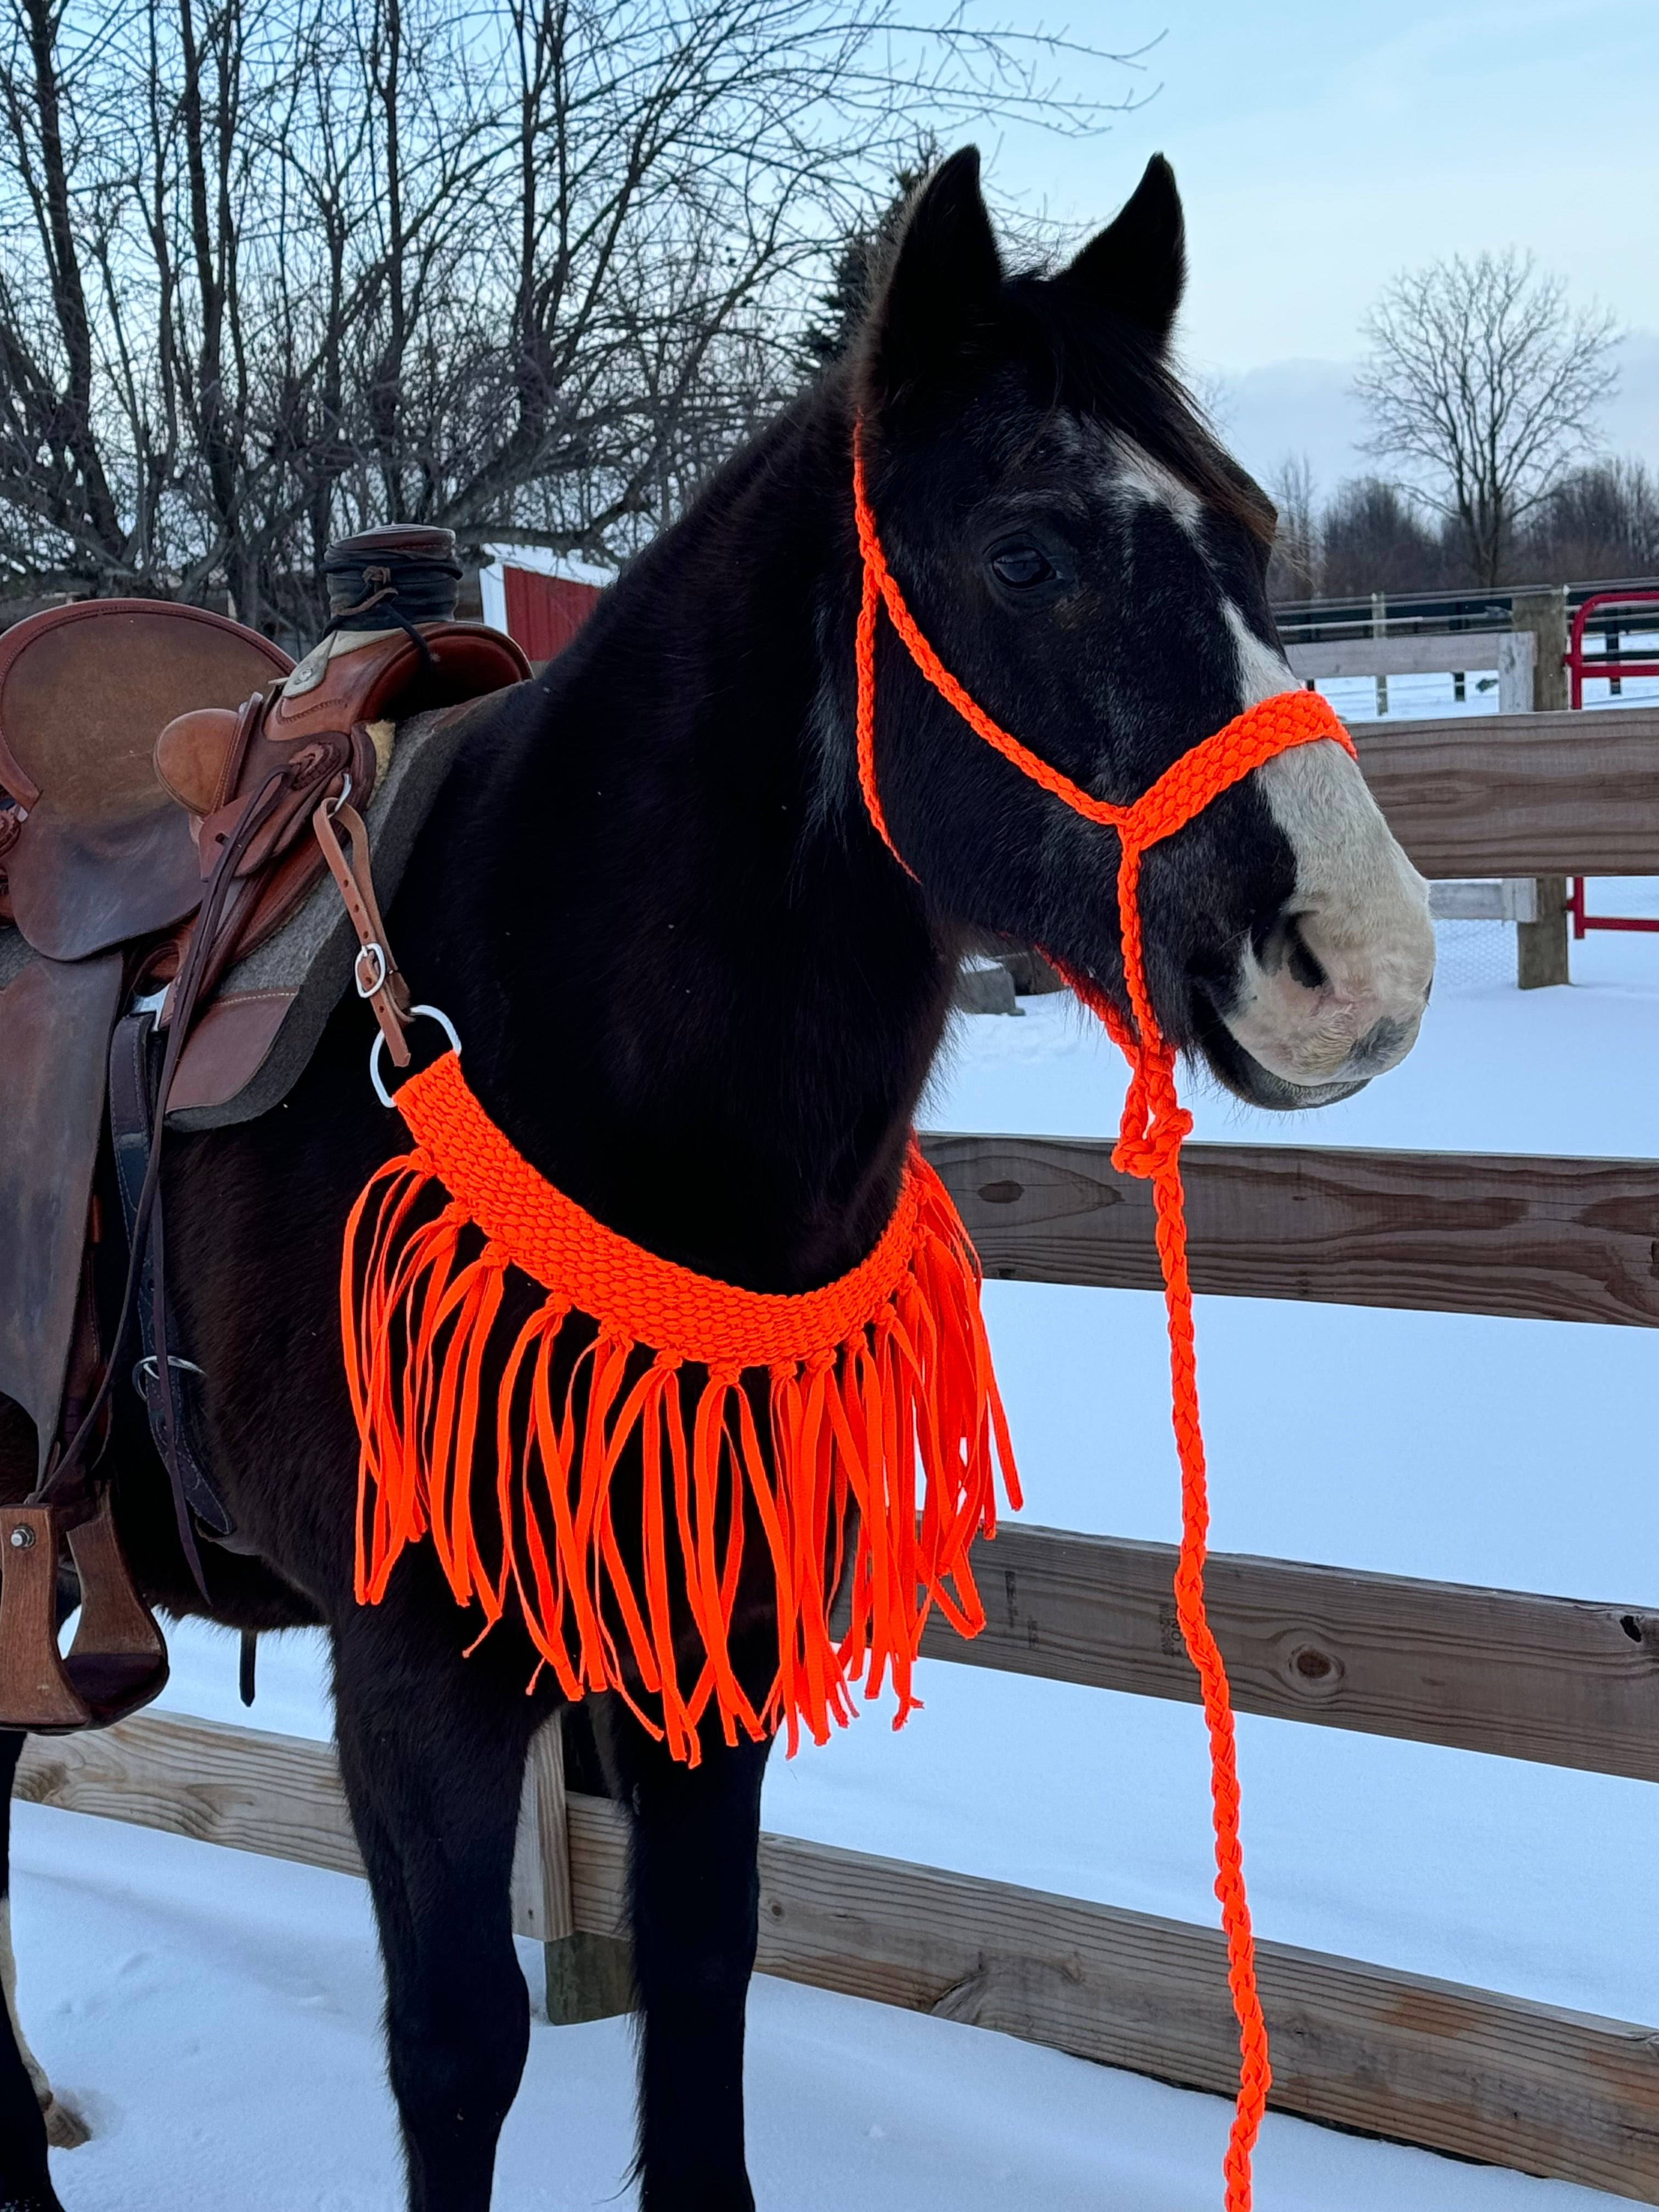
[{"x": 173, "y": 792}]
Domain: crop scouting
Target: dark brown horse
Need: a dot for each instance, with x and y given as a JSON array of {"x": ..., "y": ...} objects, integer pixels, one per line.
[{"x": 698, "y": 993}]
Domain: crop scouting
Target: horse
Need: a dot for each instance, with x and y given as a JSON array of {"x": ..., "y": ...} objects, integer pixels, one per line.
[{"x": 700, "y": 995}]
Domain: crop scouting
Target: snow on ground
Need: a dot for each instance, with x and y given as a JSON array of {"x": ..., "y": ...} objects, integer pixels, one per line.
[
  {"x": 218, "y": 2012},
  {"x": 219, "y": 2025}
]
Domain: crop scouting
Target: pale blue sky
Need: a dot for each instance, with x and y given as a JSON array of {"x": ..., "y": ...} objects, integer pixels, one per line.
[{"x": 1321, "y": 146}]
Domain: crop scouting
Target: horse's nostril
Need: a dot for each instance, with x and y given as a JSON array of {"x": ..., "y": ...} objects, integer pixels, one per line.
[
  {"x": 1383, "y": 1043},
  {"x": 1299, "y": 960}
]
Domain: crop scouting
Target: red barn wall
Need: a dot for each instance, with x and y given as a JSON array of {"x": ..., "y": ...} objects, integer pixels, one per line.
[{"x": 543, "y": 613}]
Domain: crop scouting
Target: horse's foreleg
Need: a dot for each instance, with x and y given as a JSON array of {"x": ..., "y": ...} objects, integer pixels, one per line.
[
  {"x": 696, "y": 1898},
  {"x": 432, "y": 1749},
  {"x": 27, "y": 2104}
]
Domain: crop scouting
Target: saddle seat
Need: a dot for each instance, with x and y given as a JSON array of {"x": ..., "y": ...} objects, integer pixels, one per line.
[
  {"x": 161, "y": 768},
  {"x": 97, "y": 851}
]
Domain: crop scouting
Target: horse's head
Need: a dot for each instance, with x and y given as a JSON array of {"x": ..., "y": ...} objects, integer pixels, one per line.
[{"x": 1091, "y": 565}]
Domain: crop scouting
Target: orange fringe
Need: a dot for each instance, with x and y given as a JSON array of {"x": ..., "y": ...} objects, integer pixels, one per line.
[{"x": 886, "y": 1369}]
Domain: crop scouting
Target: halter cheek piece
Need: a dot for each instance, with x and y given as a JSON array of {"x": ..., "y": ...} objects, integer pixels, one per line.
[{"x": 1149, "y": 1144}]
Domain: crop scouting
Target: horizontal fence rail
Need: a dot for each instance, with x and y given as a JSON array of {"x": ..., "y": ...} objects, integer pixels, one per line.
[
  {"x": 1529, "y": 1238},
  {"x": 1558, "y": 793},
  {"x": 1440, "y": 611},
  {"x": 1432, "y": 653},
  {"x": 1556, "y": 2092},
  {"x": 1565, "y": 1681},
  {"x": 1511, "y": 653},
  {"x": 1487, "y": 899}
]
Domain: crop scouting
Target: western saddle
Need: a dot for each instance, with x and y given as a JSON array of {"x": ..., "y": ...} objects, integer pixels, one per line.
[{"x": 173, "y": 796}]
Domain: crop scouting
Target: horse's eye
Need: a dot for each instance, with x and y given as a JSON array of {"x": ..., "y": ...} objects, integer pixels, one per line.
[{"x": 1022, "y": 565}]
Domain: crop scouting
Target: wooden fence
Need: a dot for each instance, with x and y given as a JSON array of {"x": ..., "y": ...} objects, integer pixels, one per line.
[
  {"x": 1512, "y": 652},
  {"x": 1469, "y": 2071}
]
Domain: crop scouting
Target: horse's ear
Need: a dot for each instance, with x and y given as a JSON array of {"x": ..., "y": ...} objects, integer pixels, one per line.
[
  {"x": 1137, "y": 266},
  {"x": 942, "y": 283}
]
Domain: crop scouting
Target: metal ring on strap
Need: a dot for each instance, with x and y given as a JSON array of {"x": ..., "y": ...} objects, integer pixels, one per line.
[
  {"x": 433, "y": 1014},
  {"x": 149, "y": 1368}
]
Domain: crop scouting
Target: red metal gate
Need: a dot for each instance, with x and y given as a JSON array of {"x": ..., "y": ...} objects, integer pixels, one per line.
[{"x": 1613, "y": 665}]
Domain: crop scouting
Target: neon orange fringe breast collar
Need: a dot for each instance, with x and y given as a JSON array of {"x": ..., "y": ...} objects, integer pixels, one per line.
[
  {"x": 853, "y": 1384},
  {"x": 814, "y": 1413}
]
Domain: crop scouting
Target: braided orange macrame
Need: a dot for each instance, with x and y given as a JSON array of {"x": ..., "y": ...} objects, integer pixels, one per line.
[
  {"x": 1154, "y": 1125},
  {"x": 859, "y": 1381}
]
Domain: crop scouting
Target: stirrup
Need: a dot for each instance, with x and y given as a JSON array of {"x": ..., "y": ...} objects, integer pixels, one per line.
[{"x": 118, "y": 1659}]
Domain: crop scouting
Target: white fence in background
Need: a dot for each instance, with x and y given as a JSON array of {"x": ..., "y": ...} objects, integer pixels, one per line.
[{"x": 1512, "y": 652}]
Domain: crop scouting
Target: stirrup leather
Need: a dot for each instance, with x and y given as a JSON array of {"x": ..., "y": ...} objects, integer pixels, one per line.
[{"x": 118, "y": 1659}]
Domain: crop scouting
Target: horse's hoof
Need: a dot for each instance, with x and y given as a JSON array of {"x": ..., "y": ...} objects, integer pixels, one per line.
[{"x": 66, "y": 2128}]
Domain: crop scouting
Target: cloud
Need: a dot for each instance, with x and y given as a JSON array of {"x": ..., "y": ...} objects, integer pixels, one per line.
[
  {"x": 1308, "y": 407},
  {"x": 1293, "y": 407}
]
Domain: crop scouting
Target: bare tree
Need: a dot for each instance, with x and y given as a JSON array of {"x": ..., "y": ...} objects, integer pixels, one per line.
[
  {"x": 1293, "y": 572},
  {"x": 1600, "y": 523},
  {"x": 1485, "y": 385},
  {"x": 1372, "y": 540},
  {"x": 527, "y": 268}
]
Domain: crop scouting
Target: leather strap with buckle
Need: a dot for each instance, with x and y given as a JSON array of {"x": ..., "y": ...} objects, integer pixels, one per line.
[{"x": 376, "y": 974}]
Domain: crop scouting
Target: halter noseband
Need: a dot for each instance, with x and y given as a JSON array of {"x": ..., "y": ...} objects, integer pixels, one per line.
[{"x": 1149, "y": 1144}]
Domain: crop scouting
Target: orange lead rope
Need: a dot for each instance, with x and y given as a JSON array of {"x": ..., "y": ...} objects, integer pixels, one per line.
[{"x": 1149, "y": 1144}]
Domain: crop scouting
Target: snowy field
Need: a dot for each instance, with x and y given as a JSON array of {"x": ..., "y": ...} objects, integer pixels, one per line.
[{"x": 216, "y": 2014}]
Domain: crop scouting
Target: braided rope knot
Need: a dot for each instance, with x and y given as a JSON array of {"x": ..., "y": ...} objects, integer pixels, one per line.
[
  {"x": 1153, "y": 1127},
  {"x": 1154, "y": 1123},
  {"x": 1151, "y": 1148}
]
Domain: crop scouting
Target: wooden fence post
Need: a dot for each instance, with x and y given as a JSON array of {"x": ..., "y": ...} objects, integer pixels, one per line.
[
  {"x": 588, "y": 1976},
  {"x": 1541, "y": 946},
  {"x": 1518, "y": 672}
]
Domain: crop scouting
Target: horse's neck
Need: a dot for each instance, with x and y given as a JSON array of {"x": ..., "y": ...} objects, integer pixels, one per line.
[{"x": 705, "y": 1000}]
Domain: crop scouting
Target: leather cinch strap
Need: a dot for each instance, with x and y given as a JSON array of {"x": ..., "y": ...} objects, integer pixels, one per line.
[{"x": 133, "y": 1067}]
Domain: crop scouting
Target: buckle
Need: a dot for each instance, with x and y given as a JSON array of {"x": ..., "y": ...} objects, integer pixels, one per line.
[{"x": 374, "y": 952}]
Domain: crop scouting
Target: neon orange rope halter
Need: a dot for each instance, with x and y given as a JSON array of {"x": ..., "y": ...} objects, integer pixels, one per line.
[{"x": 1150, "y": 1136}]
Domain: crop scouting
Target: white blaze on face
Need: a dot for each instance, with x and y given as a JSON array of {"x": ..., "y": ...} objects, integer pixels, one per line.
[
  {"x": 1132, "y": 474},
  {"x": 1337, "y": 992}
]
